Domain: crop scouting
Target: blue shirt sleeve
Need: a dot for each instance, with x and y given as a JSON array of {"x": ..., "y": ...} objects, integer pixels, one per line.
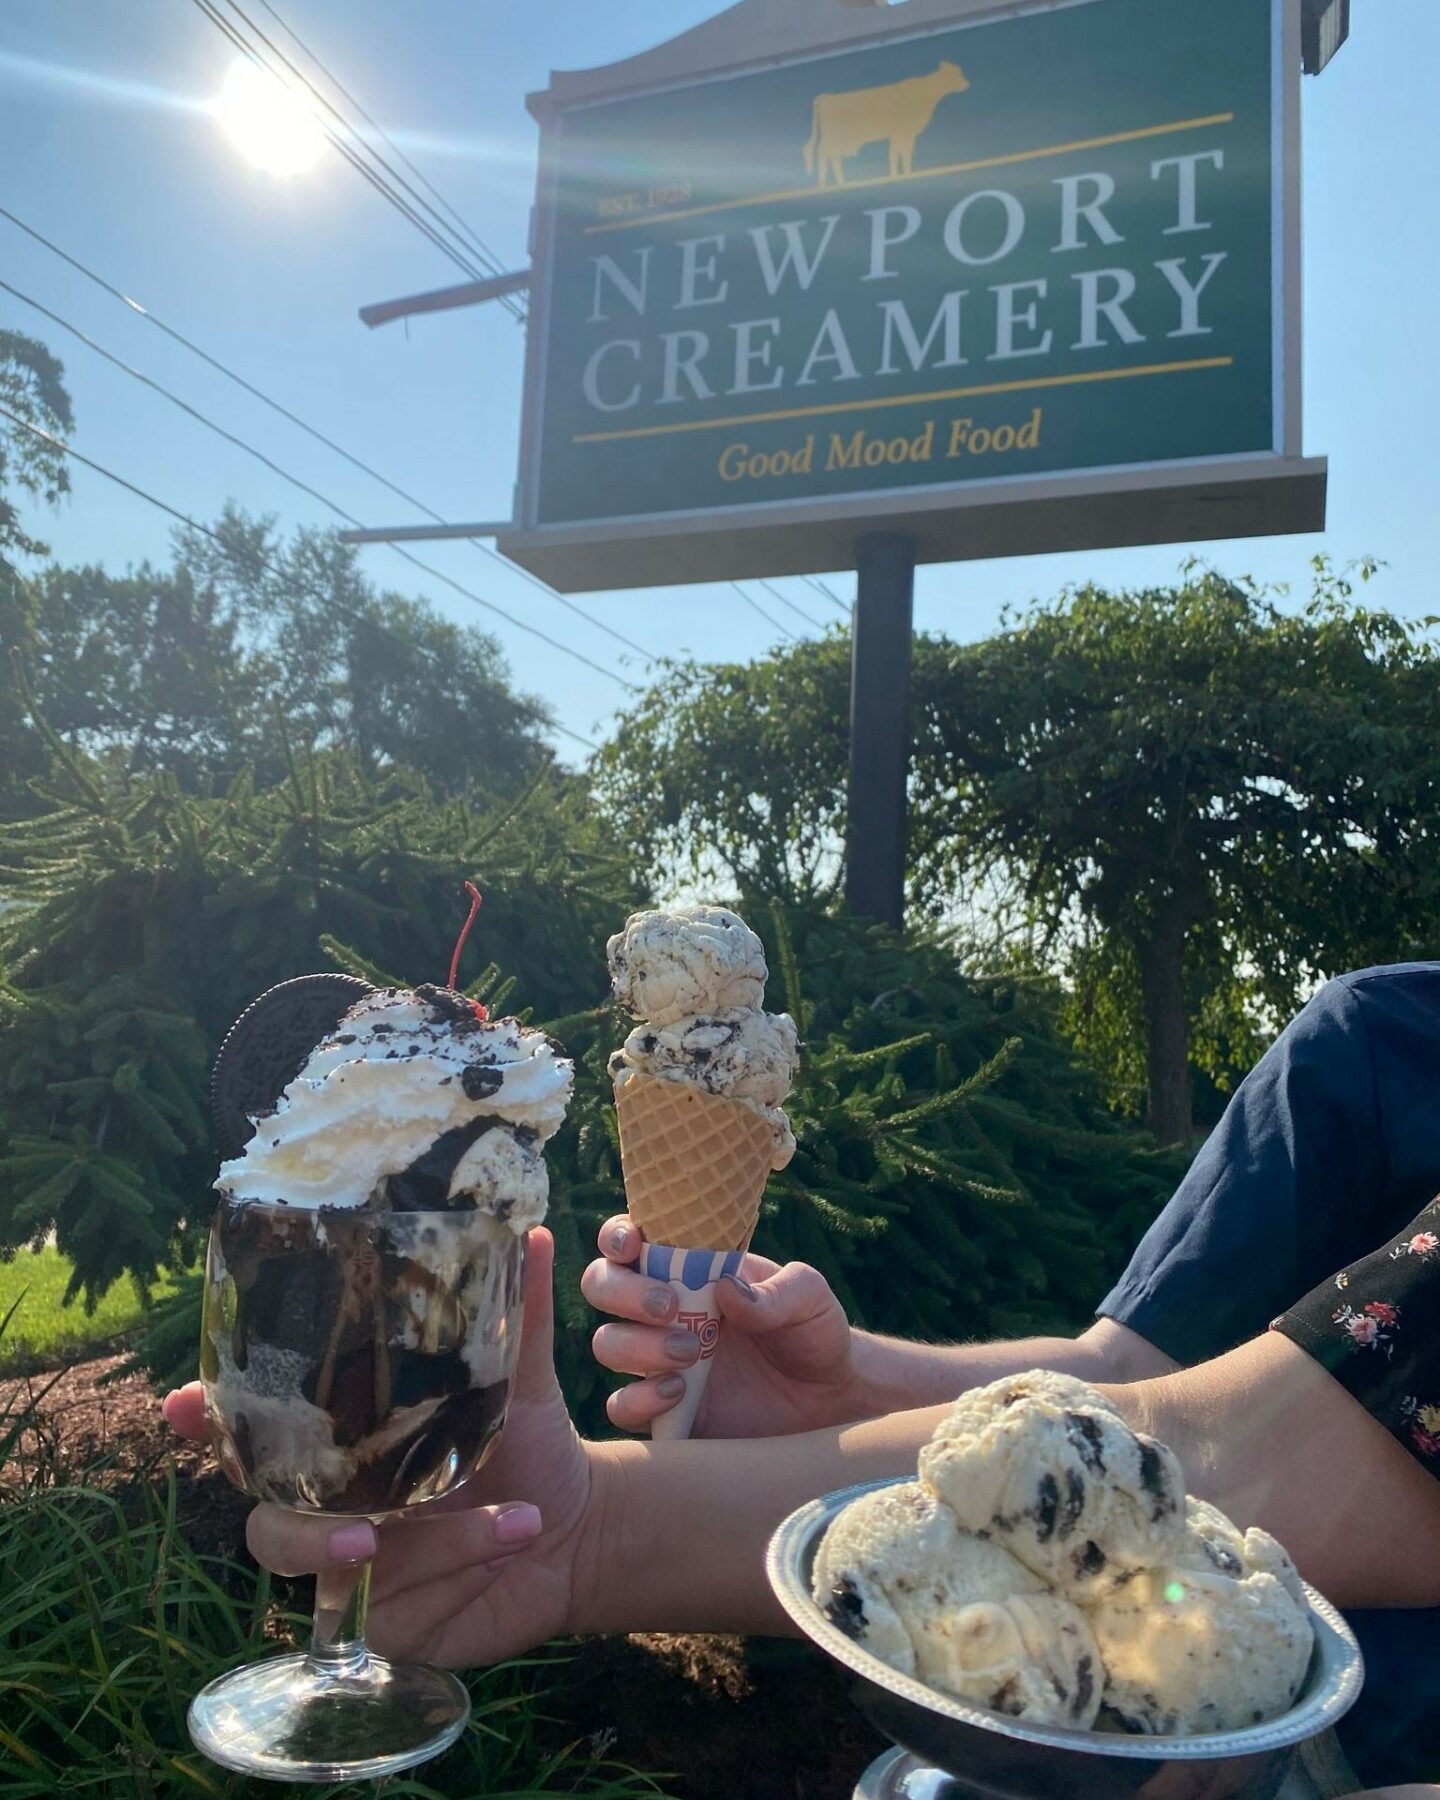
[
  {"x": 1274, "y": 1200},
  {"x": 1329, "y": 1146}
]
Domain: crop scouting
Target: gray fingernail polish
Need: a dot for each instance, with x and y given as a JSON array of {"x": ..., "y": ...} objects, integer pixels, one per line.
[
  {"x": 670, "y": 1387},
  {"x": 742, "y": 1287},
  {"x": 659, "y": 1302},
  {"x": 682, "y": 1347},
  {"x": 619, "y": 1239}
]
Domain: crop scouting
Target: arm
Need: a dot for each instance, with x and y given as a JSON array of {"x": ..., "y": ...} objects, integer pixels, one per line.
[
  {"x": 790, "y": 1360},
  {"x": 895, "y": 1374},
  {"x": 1272, "y": 1439},
  {"x": 677, "y": 1540},
  {"x": 1263, "y": 1432},
  {"x": 632, "y": 1536}
]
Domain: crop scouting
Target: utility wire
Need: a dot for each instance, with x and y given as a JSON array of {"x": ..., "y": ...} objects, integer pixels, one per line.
[
  {"x": 270, "y": 567},
  {"x": 238, "y": 42},
  {"x": 445, "y": 241},
  {"x": 236, "y": 38},
  {"x": 829, "y": 593},
  {"x": 293, "y": 418},
  {"x": 304, "y": 486},
  {"x": 451, "y": 220},
  {"x": 486, "y": 256},
  {"x": 784, "y": 601},
  {"x": 755, "y": 606},
  {"x": 471, "y": 236},
  {"x": 442, "y": 242}
]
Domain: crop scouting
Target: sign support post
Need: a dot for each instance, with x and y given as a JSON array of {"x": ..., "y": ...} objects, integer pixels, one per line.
[{"x": 880, "y": 726}]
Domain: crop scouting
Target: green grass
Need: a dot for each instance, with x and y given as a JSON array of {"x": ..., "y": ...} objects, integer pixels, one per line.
[
  {"x": 112, "y": 1622},
  {"x": 45, "y": 1330}
]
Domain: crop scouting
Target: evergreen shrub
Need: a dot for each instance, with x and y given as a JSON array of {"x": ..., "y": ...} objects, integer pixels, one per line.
[{"x": 958, "y": 1174}]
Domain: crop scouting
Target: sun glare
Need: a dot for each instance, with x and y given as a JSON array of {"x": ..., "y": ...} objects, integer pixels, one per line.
[{"x": 270, "y": 127}]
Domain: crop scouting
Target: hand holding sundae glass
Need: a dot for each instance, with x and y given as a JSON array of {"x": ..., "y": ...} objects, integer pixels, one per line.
[{"x": 362, "y": 1318}]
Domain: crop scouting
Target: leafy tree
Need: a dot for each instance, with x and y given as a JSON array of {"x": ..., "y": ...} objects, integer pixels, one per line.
[
  {"x": 368, "y": 669},
  {"x": 187, "y": 669},
  {"x": 146, "y": 671},
  {"x": 957, "y": 1173},
  {"x": 32, "y": 386},
  {"x": 1213, "y": 782},
  {"x": 1191, "y": 800},
  {"x": 735, "y": 774},
  {"x": 142, "y": 920}
]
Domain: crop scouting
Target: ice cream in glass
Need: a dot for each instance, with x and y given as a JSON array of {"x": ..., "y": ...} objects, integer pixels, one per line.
[{"x": 384, "y": 1161}]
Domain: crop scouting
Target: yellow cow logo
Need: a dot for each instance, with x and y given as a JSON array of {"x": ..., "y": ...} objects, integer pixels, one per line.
[{"x": 843, "y": 124}]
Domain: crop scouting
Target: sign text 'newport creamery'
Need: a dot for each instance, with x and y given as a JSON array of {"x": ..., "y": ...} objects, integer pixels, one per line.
[{"x": 1044, "y": 244}]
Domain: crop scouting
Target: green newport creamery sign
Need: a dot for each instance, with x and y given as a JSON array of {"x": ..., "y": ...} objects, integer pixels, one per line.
[{"x": 1015, "y": 248}]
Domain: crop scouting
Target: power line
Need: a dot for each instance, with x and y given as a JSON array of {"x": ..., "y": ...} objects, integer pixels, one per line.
[
  {"x": 305, "y": 487},
  {"x": 486, "y": 256},
  {"x": 482, "y": 249},
  {"x": 755, "y": 606},
  {"x": 234, "y": 37},
  {"x": 784, "y": 601},
  {"x": 434, "y": 228},
  {"x": 312, "y": 431},
  {"x": 270, "y": 567},
  {"x": 829, "y": 593}
]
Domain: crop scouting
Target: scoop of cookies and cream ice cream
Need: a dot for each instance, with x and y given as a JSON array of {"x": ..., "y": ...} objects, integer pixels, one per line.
[
  {"x": 955, "y": 1610},
  {"x": 1189, "y": 1651},
  {"x": 670, "y": 965},
  {"x": 414, "y": 1101},
  {"x": 1212, "y": 1541},
  {"x": 748, "y": 1055},
  {"x": 695, "y": 977},
  {"x": 1048, "y": 1466},
  {"x": 1048, "y": 1565}
]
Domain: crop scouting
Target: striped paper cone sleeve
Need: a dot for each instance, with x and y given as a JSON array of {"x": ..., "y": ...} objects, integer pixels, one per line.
[{"x": 691, "y": 1276}]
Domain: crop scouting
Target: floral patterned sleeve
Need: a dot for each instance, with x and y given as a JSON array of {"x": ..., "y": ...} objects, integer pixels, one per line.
[{"x": 1376, "y": 1328}]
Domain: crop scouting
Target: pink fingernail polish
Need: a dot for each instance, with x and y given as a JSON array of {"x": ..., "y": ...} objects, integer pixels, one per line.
[
  {"x": 353, "y": 1543},
  {"x": 516, "y": 1524}
]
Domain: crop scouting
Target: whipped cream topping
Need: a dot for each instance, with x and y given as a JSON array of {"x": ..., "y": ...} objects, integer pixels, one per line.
[{"x": 403, "y": 1068}]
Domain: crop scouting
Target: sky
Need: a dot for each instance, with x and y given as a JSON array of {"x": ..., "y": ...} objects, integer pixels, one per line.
[{"x": 109, "y": 147}]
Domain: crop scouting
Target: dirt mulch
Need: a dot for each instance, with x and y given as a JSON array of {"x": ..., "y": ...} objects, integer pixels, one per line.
[
  {"x": 87, "y": 1425},
  {"x": 720, "y": 1716}
]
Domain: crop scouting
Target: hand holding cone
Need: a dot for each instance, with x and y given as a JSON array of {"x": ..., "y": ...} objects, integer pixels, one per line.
[{"x": 697, "y": 1094}]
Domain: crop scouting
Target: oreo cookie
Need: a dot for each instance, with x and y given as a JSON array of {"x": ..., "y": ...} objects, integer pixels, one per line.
[{"x": 267, "y": 1046}]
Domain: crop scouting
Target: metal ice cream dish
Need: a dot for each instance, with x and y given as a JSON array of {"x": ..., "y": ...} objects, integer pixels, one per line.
[{"x": 949, "y": 1750}]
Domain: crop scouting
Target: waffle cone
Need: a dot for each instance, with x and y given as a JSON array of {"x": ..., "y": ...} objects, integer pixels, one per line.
[{"x": 695, "y": 1164}]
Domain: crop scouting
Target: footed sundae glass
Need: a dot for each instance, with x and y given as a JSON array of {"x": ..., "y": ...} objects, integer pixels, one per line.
[
  {"x": 354, "y": 1364},
  {"x": 362, "y": 1318}
]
